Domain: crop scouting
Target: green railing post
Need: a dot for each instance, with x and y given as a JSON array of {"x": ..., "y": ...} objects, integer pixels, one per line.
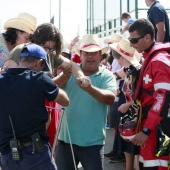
[
  {"x": 105, "y": 16},
  {"x": 110, "y": 26},
  {"x": 136, "y": 9},
  {"x": 114, "y": 25},
  {"x": 87, "y": 18},
  {"x": 92, "y": 17},
  {"x": 128, "y": 5},
  {"x": 120, "y": 11}
]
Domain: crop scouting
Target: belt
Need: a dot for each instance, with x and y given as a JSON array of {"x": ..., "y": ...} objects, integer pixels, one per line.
[{"x": 22, "y": 144}]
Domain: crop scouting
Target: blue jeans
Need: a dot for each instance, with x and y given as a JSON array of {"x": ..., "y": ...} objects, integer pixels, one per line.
[
  {"x": 90, "y": 157},
  {"x": 29, "y": 161}
]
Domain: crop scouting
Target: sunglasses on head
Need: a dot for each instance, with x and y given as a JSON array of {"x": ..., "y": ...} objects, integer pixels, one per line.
[{"x": 135, "y": 40}]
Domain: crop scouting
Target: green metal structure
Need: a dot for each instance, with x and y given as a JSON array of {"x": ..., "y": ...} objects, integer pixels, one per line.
[
  {"x": 103, "y": 15},
  {"x": 93, "y": 26}
]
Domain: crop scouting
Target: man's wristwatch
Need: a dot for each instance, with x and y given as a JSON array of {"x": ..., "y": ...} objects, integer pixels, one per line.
[{"x": 146, "y": 131}]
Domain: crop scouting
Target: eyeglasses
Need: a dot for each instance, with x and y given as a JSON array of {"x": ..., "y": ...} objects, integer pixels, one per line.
[
  {"x": 46, "y": 48},
  {"x": 135, "y": 40}
]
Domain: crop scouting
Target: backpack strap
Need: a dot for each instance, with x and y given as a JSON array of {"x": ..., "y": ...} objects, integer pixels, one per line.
[
  {"x": 138, "y": 129},
  {"x": 150, "y": 93}
]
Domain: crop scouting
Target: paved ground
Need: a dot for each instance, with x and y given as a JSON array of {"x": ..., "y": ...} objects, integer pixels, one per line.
[{"x": 108, "y": 147}]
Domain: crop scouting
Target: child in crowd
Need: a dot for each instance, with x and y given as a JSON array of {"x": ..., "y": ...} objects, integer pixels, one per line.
[
  {"x": 125, "y": 56},
  {"x": 126, "y": 17}
]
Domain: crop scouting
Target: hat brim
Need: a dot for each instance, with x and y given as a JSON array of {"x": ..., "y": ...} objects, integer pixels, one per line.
[
  {"x": 20, "y": 24},
  {"x": 90, "y": 49},
  {"x": 132, "y": 60},
  {"x": 110, "y": 41}
]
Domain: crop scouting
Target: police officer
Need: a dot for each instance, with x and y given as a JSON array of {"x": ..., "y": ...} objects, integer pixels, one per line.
[{"x": 23, "y": 115}]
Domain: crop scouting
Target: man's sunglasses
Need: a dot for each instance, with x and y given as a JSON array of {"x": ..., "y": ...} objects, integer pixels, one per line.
[{"x": 135, "y": 40}]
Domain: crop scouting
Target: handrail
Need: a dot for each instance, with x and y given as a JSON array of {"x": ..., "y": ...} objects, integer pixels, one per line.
[
  {"x": 117, "y": 28},
  {"x": 110, "y": 30}
]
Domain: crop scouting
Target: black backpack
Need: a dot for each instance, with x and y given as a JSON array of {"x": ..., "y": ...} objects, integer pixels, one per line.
[{"x": 165, "y": 113}]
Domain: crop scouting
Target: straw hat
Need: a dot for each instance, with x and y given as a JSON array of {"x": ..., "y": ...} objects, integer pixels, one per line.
[
  {"x": 115, "y": 38},
  {"x": 24, "y": 22},
  {"x": 90, "y": 43},
  {"x": 124, "y": 49}
]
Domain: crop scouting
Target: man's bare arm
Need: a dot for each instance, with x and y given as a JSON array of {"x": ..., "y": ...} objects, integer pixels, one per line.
[
  {"x": 62, "y": 98},
  {"x": 125, "y": 29},
  {"x": 160, "y": 32},
  {"x": 63, "y": 77},
  {"x": 102, "y": 95},
  {"x": 76, "y": 70}
]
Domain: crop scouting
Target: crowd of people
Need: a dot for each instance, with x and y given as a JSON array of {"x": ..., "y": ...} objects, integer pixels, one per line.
[{"x": 61, "y": 97}]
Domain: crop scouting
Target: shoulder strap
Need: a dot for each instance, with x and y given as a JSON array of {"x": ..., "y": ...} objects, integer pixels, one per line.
[{"x": 150, "y": 93}]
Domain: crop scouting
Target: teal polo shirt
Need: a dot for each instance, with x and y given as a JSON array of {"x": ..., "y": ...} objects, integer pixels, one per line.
[{"x": 85, "y": 115}]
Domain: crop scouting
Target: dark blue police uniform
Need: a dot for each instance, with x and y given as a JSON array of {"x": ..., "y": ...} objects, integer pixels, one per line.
[
  {"x": 23, "y": 93},
  {"x": 156, "y": 14}
]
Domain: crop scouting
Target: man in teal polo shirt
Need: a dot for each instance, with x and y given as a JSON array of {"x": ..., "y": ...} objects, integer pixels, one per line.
[{"x": 86, "y": 115}]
